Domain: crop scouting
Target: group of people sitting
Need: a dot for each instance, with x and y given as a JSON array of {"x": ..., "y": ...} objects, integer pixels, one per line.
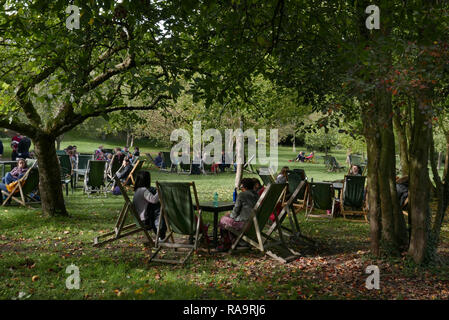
[
  {"x": 196, "y": 167},
  {"x": 103, "y": 154},
  {"x": 302, "y": 156}
]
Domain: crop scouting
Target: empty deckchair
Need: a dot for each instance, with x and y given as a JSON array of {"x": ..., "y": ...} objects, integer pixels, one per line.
[
  {"x": 167, "y": 164},
  {"x": 66, "y": 171},
  {"x": 352, "y": 200},
  {"x": 252, "y": 231},
  {"x": 178, "y": 210},
  {"x": 131, "y": 179},
  {"x": 26, "y": 185},
  {"x": 266, "y": 176},
  {"x": 95, "y": 177},
  {"x": 288, "y": 210},
  {"x": 321, "y": 196},
  {"x": 326, "y": 159},
  {"x": 294, "y": 179},
  {"x": 334, "y": 165},
  {"x": 121, "y": 230},
  {"x": 81, "y": 168},
  {"x": 185, "y": 167}
]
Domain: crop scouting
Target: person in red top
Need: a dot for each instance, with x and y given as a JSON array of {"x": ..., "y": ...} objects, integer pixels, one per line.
[{"x": 14, "y": 145}]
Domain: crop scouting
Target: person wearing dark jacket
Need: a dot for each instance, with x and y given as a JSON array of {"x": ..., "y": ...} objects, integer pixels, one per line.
[{"x": 124, "y": 171}]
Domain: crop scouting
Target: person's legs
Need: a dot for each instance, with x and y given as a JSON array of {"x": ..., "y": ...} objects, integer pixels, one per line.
[{"x": 9, "y": 178}]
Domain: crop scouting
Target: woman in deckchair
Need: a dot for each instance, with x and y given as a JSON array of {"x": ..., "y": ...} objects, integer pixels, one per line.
[
  {"x": 310, "y": 156},
  {"x": 124, "y": 171},
  {"x": 147, "y": 205},
  {"x": 355, "y": 171},
  {"x": 282, "y": 177},
  {"x": 16, "y": 173},
  {"x": 246, "y": 200}
]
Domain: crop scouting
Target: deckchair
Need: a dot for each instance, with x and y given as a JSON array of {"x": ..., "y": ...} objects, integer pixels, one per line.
[
  {"x": 327, "y": 159},
  {"x": 352, "y": 196},
  {"x": 294, "y": 179},
  {"x": 252, "y": 231},
  {"x": 207, "y": 168},
  {"x": 310, "y": 158},
  {"x": 178, "y": 211},
  {"x": 81, "y": 168},
  {"x": 334, "y": 165},
  {"x": 131, "y": 179},
  {"x": 60, "y": 152},
  {"x": 121, "y": 230},
  {"x": 357, "y": 160},
  {"x": 321, "y": 196},
  {"x": 167, "y": 164},
  {"x": 27, "y": 184},
  {"x": 266, "y": 175},
  {"x": 248, "y": 167},
  {"x": 66, "y": 171},
  {"x": 95, "y": 177},
  {"x": 185, "y": 167}
]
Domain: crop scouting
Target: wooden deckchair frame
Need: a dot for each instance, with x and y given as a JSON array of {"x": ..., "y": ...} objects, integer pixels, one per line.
[
  {"x": 139, "y": 165},
  {"x": 345, "y": 212},
  {"x": 173, "y": 244},
  {"x": 263, "y": 238},
  {"x": 121, "y": 230},
  {"x": 288, "y": 210},
  {"x": 310, "y": 199},
  {"x": 248, "y": 167},
  {"x": 23, "y": 197}
]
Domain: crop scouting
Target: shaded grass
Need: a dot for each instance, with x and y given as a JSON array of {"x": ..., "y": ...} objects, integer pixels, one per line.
[{"x": 34, "y": 245}]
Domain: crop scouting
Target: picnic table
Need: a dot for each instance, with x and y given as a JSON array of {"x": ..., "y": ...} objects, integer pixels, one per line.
[{"x": 222, "y": 206}]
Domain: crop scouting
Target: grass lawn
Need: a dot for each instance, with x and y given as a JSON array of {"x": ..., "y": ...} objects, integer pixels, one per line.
[{"x": 36, "y": 250}]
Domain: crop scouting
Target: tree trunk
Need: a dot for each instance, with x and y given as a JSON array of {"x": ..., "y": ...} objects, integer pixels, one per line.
[
  {"x": 49, "y": 176},
  {"x": 440, "y": 157},
  {"x": 294, "y": 141},
  {"x": 58, "y": 141},
  {"x": 373, "y": 151},
  {"x": 239, "y": 149},
  {"x": 403, "y": 146},
  {"x": 394, "y": 232},
  {"x": 418, "y": 194}
]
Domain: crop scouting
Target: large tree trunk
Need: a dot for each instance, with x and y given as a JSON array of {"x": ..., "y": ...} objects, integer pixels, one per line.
[
  {"x": 49, "y": 176},
  {"x": 394, "y": 232},
  {"x": 419, "y": 189},
  {"x": 373, "y": 151}
]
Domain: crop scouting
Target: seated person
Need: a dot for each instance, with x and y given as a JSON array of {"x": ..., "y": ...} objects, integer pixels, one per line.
[
  {"x": 301, "y": 156},
  {"x": 246, "y": 200},
  {"x": 282, "y": 177},
  {"x": 99, "y": 150},
  {"x": 16, "y": 173},
  {"x": 146, "y": 202},
  {"x": 136, "y": 152},
  {"x": 355, "y": 171},
  {"x": 158, "y": 160},
  {"x": 402, "y": 190},
  {"x": 124, "y": 171},
  {"x": 310, "y": 156},
  {"x": 258, "y": 187}
]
